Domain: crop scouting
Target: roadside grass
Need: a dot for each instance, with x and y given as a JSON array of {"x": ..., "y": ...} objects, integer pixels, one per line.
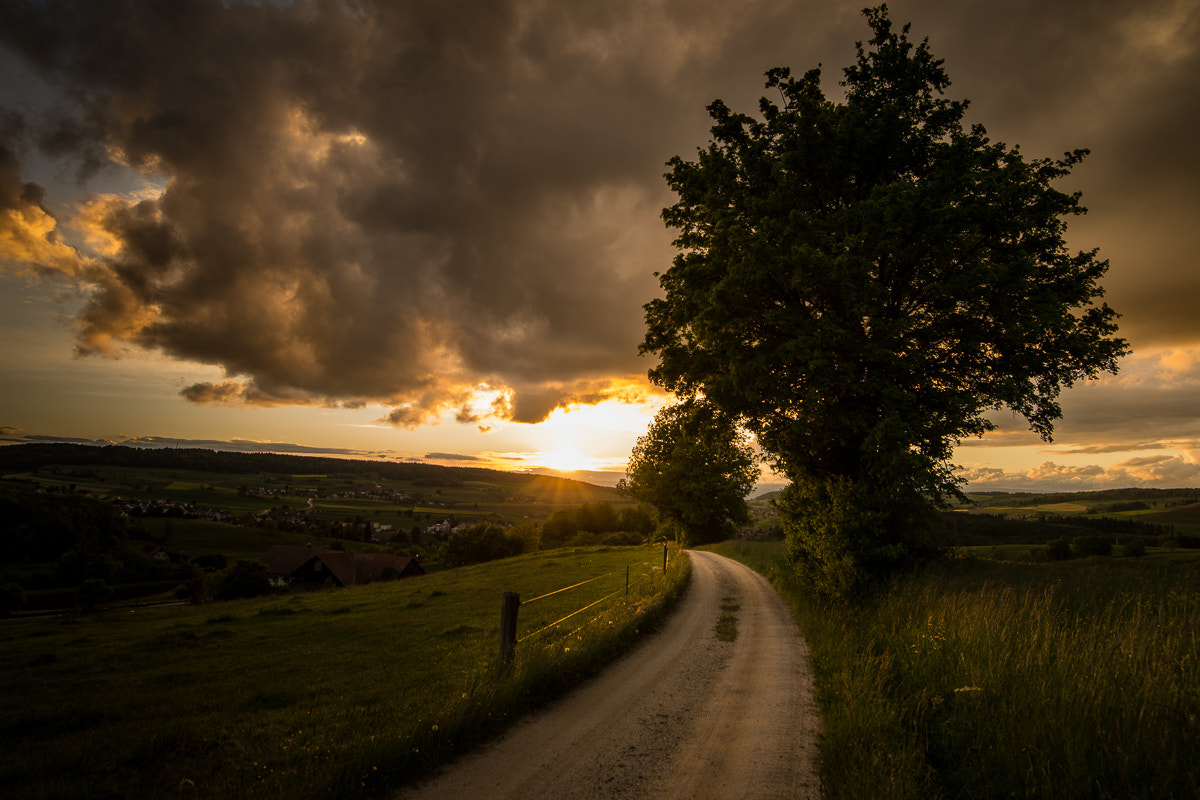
[
  {"x": 339, "y": 694},
  {"x": 982, "y": 679},
  {"x": 727, "y": 627}
]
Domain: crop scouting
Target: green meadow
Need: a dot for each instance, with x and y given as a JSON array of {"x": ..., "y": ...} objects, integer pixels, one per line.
[
  {"x": 981, "y": 679},
  {"x": 340, "y": 693}
]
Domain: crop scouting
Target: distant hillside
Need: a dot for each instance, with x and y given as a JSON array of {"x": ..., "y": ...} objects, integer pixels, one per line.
[
  {"x": 1000, "y": 499},
  {"x": 26, "y": 457}
]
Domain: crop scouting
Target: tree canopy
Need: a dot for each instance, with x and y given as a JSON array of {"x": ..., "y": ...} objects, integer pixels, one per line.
[
  {"x": 695, "y": 467},
  {"x": 861, "y": 282}
]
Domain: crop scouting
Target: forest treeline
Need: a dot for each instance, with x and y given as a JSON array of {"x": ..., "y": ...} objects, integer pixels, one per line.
[
  {"x": 957, "y": 529},
  {"x": 1092, "y": 498}
]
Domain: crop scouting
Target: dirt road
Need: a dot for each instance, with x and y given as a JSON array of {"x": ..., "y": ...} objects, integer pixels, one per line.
[{"x": 683, "y": 716}]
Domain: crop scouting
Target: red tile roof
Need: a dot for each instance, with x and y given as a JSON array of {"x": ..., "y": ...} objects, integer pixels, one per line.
[{"x": 350, "y": 569}]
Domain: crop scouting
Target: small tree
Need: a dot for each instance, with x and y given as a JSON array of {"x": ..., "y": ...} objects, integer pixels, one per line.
[
  {"x": 695, "y": 466},
  {"x": 859, "y": 283}
]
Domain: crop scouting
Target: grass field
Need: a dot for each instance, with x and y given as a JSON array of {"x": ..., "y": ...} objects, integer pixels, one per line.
[
  {"x": 332, "y": 694},
  {"x": 983, "y": 679}
]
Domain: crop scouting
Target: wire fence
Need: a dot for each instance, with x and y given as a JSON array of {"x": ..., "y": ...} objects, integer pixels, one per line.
[{"x": 636, "y": 587}]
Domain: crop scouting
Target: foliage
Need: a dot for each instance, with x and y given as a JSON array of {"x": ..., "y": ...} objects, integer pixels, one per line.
[
  {"x": 480, "y": 543},
  {"x": 839, "y": 530},
  {"x": 244, "y": 579},
  {"x": 860, "y": 282},
  {"x": 12, "y": 598},
  {"x": 1134, "y": 548},
  {"x": 696, "y": 468},
  {"x": 1091, "y": 546},
  {"x": 566, "y": 524},
  {"x": 1058, "y": 549},
  {"x": 93, "y": 593},
  {"x": 956, "y": 528},
  {"x": 981, "y": 679},
  {"x": 43, "y": 527}
]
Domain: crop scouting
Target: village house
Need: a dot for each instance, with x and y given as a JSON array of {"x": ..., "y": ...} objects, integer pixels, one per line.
[{"x": 289, "y": 565}]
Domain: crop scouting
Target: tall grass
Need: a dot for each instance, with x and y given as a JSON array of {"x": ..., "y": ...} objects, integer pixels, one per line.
[
  {"x": 334, "y": 694},
  {"x": 978, "y": 679}
]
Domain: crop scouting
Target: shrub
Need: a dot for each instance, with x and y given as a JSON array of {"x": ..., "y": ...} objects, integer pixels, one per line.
[
  {"x": 12, "y": 598},
  {"x": 1091, "y": 546},
  {"x": 93, "y": 593},
  {"x": 843, "y": 535},
  {"x": 623, "y": 539},
  {"x": 1133, "y": 548},
  {"x": 243, "y": 579},
  {"x": 1058, "y": 549}
]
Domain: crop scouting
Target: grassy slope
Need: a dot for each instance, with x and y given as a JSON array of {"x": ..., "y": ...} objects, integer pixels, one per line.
[
  {"x": 333, "y": 694},
  {"x": 981, "y": 679}
]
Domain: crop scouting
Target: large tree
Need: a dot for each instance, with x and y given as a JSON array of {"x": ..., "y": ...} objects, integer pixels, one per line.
[
  {"x": 860, "y": 283},
  {"x": 695, "y": 466}
]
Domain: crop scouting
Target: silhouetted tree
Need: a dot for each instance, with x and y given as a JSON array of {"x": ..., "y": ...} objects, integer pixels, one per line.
[
  {"x": 695, "y": 467},
  {"x": 859, "y": 283}
]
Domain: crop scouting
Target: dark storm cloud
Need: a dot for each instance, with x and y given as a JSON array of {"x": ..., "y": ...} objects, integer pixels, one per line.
[
  {"x": 401, "y": 202},
  {"x": 451, "y": 457},
  {"x": 1119, "y": 78}
]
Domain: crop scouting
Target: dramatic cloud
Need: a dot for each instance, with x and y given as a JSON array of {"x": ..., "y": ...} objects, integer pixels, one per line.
[
  {"x": 416, "y": 206},
  {"x": 1161, "y": 470}
]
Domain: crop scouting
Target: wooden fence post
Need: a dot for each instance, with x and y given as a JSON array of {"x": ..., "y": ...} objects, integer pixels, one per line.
[{"x": 508, "y": 631}]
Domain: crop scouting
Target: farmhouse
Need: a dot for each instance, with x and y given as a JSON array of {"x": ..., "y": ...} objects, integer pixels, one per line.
[{"x": 292, "y": 565}]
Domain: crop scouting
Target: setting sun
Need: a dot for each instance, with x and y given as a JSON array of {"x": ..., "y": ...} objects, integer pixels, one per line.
[
  {"x": 595, "y": 439},
  {"x": 565, "y": 459}
]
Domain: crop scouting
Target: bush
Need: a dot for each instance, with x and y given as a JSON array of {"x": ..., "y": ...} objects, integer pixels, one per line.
[
  {"x": 243, "y": 579},
  {"x": 93, "y": 593},
  {"x": 844, "y": 535},
  {"x": 1134, "y": 548},
  {"x": 623, "y": 539},
  {"x": 211, "y": 563},
  {"x": 12, "y": 599},
  {"x": 1058, "y": 549},
  {"x": 1091, "y": 546}
]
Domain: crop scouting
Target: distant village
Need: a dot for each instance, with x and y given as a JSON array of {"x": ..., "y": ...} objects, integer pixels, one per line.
[{"x": 286, "y": 517}]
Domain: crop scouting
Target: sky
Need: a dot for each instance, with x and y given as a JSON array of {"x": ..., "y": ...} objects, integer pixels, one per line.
[{"x": 425, "y": 230}]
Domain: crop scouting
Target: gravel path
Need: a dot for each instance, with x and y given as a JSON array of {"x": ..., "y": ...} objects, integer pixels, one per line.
[{"x": 684, "y": 715}]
